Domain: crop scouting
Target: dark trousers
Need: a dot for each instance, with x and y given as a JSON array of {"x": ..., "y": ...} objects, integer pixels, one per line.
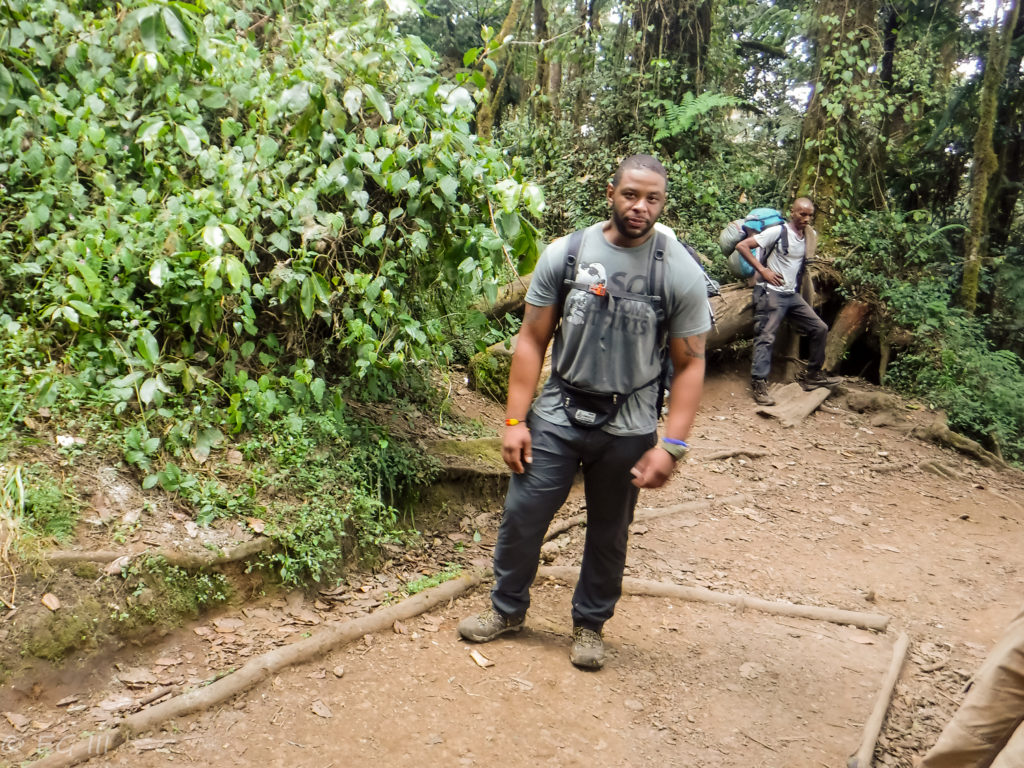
[
  {"x": 534, "y": 497},
  {"x": 770, "y": 309}
]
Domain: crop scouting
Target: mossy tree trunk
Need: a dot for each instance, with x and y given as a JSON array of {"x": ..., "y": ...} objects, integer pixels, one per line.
[
  {"x": 984, "y": 161},
  {"x": 487, "y": 113},
  {"x": 830, "y": 150}
]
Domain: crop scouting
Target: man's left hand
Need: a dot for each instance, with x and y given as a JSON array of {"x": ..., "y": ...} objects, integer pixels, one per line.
[{"x": 653, "y": 468}]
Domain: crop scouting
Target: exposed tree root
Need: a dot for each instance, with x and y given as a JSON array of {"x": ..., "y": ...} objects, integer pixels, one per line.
[
  {"x": 938, "y": 432},
  {"x": 254, "y": 671},
  {"x": 188, "y": 560},
  {"x": 873, "y": 726},
  {"x": 631, "y": 586}
]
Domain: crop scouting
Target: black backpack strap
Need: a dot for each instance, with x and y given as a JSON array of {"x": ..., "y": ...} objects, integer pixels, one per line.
[
  {"x": 572, "y": 253},
  {"x": 656, "y": 279}
]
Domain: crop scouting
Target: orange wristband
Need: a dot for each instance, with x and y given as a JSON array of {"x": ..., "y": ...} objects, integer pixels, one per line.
[{"x": 512, "y": 422}]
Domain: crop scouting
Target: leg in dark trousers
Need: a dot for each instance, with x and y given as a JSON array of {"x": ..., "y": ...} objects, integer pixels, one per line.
[
  {"x": 806, "y": 321},
  {"x": 769, "y": 313},
  {"x": 611, "y": 498},
  {"x": 532, "y": 500}
]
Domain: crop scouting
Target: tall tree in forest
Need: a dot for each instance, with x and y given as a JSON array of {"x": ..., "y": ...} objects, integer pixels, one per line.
[
  {"x": 842, "y": 102},
  {"x": 488, "y": 111},
  {"x": 985, "y": 162}
]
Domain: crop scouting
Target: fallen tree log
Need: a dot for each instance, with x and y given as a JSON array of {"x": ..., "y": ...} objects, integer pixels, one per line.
[
  {"x": 631, "y": 586},
  {"x": 254, "y": 671},
  {"x": 850, "y": 324},
  {"x": 510, "y": 299}
]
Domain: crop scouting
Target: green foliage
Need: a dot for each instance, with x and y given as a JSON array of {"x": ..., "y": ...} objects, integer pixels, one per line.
[
  {"x": 883, "y": 249},
  {"x": 160, "y": 593},
  {"x": 682, "y": 117},
  {"x": 178, "y": 194},
  {"x": 453, "y": 570},
  {"x": 900, "y": 263},
  {"x": 50, "y": 508},
  {"x": 954, "y": 367}
]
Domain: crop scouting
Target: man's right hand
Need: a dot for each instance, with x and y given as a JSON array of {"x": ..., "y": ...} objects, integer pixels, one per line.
[
  {"x": 771, "y": 277},
  {"x": 517, "y": 447}
]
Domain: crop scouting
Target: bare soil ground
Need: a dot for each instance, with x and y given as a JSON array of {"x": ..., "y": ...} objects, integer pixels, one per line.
[{"x": 837, "y": 513}]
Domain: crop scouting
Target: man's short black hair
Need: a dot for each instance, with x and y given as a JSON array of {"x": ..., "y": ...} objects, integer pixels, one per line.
[{"x": 639, "y": 163}]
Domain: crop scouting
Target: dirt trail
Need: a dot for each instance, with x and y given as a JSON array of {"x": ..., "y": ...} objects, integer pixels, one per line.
[{"x": 837, "y": 514}]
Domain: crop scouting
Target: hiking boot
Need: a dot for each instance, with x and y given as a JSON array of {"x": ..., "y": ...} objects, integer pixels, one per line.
[
  {"x": 761, "y": 396},
  {"x": 587, "y": 648},
  {"x": 814, "y": 379},
  {"x": 488, "y": 625}
]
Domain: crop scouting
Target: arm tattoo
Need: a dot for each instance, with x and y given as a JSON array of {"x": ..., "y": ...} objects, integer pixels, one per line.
[{"x": 695, "y": 346}]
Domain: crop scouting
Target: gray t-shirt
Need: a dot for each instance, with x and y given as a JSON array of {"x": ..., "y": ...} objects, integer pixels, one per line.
[
  {"x": 787, "y": 266},
  {"x": 609, "y": 344}
]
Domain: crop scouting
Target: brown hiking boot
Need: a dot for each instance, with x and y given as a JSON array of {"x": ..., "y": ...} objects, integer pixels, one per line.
[
  {"x": 486, "y": 626},
  {"x": 814, "y": 379},
  {"x": 761, "y": 396},
  {"x": 587, "y": 650}
]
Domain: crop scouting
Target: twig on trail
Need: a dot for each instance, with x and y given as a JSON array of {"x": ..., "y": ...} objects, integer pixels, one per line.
[
  {"x": 255, "y": 670},
  {"x": 748, "y": 452},
  {"x": 756, "y": 741},
  {"x": 873, "y": 726},
  {"x": 159, "y": 693},
  {"x": 633, "y": 586},
  {"x": 561, "y": 526}
]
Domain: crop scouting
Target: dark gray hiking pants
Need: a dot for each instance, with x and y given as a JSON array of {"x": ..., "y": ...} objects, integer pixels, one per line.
[
  {"x": 770, "y": 309},
  {"x": 534, "y": 497}
]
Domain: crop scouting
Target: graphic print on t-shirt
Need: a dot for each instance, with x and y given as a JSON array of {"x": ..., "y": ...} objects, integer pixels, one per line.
[{"x": 588, "y": 274}]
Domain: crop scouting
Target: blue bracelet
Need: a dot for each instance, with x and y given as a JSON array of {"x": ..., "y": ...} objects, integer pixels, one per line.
[{"x": 673, "y": 441}]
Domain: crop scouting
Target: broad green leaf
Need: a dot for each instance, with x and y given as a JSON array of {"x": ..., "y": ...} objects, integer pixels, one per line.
[
  {"x": 279, "y": 241},
  {"x": 70, "y": 315},
  {"x": 150, "y": 132},
  {"x": 149, "y": 348},
  {"x": 323, "y": 290},
  {"x": 147, "y": 391},
  {"x": 213, "y": 236},
  {"x": 318, "y": 387},
  {"x": 83, "y": 308},
  {"x": 91, "y": 279},
  {"x": 237, "y": 237},
  {"x": 375, "y": 234},
  {"x": 188, "y": 140},
  {"x": 449, "y": 186},
  {"x": 399, "y": 180},
  {"x": 207, "y": 439},
  {"x": 378, "y": 101},
  {"x": 129, "y": 380},
  {"x": 174, "y": 26},
  {"x": 353, "y": 100},
  {"x": 306, "y": 296},
  {"x": 470, "y": 57},
  {"x": 212, "y": 271},
  {"x": 237, "y": 274},
  {"x": 158, "y": 272},
  {"x": 296, "y": 98}
]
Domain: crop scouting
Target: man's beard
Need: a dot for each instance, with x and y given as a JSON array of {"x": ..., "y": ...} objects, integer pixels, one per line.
[{"x": 620, "y": 224}]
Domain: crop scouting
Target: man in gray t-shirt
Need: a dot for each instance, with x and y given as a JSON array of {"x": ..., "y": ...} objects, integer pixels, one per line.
[
  {"x": 777, "y": 298},
  {"x": 605, "y": 366}
]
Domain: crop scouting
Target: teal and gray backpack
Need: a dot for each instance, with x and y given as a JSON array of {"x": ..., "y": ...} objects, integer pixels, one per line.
[{"x": 755, "y": 222}]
